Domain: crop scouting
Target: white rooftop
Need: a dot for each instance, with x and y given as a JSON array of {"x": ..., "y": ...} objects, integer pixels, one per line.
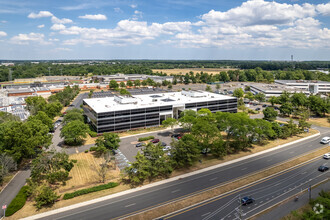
[{"x": 107, "y": 104}]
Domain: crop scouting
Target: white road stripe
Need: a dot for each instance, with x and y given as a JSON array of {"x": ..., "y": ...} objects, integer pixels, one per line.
[
  {"x": 174, "y": 191},
  {"x": 244, "y": 168},
  {"x": 205, "y": 214},
  {"x": 130, "y": 205},
  {"x": 214, "y": 178}
]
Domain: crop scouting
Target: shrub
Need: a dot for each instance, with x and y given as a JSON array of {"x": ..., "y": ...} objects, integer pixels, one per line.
[
  {"x": 46, "y": 197},
  {"x": 93, "y": 149},
  {"x": 89, "y": 190},
  {"x": 92, "y": 133},
  {"x": 86, "y": 151},
  {"x": 146, "y": 138},
  {"x": 18, "y": 202}
]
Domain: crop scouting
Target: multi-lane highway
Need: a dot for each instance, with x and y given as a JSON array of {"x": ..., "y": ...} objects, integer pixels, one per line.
[
  {"x": 265, "y": 193},
  {"x": 153, "y": 197}
]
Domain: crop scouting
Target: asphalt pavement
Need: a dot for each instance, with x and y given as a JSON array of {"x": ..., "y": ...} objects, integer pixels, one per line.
[{"x": 123, "y": 206}]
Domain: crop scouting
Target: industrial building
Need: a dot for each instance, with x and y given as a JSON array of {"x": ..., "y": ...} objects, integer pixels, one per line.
[
  {"x": 275, "y": 89},
  {"x": 313, "y": 86},
  {"x": 120, "y": 113},
  {"x": 119, "y": 77}
]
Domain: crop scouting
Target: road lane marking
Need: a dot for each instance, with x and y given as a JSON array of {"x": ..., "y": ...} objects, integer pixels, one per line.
[
  {"x": 214, "y": 178},
  {"x": 303, "y": 173},
  {"x": 205, "y": 214},
  {"x": 291, "y": 152},
  {"x": 174, "y": 191},
  {"x": 130, "y": 205},
  {"x": 277, "y": 184},
  {"x": 244, "y": 168},
  {"x": 269, "y": 160}
]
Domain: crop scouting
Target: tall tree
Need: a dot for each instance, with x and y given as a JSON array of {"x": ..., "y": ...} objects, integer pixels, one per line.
[
  {"x": 138, "y": 171},
  {"x": 187, "y": 119},
  {"x": 42, "y": 116},
  {"x": 270, "y": 114},
  {"x": 74, "y": 132},
  {"x": 239, "y": 93},
  {"x": 113, "y": 84},
  {"x": 109, "y": 141},
  {"x": 122, "y": 85},
  {"x": 185, "y": 152},
  {"x": 170, "y": 122},
  {"x": 260, "y": 97},
  {"x": 129, "y": 83},
  {"x": 137, "y": 83},
  {"x": 35, "y": 104},
  {"x": 72, "y": 115},
  {"x": 7, "y": 164}
]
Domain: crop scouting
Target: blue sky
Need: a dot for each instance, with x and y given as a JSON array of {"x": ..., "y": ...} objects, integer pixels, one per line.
[{"x": 165, "y": 29}]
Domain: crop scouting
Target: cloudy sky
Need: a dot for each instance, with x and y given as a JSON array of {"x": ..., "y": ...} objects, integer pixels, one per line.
[{"x": 165, "y": 29}]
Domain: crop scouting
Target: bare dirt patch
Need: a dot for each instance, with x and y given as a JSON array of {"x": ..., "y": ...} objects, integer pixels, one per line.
[
  {"x": 195, "y": 70},
  {"x": 322, "y": 122}
]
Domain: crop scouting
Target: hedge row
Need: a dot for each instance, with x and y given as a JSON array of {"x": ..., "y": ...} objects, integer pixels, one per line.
[
  {"x": 89, "y": 190},
  {"x": 146, "y": 138},
  {"x": 18, "y": 202}
]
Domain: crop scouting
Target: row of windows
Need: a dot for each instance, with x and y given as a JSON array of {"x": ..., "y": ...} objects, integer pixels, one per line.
[
  {"x": 218, "y": 102},
  {"x": 135, "y": 111},
  {"x": 129, "y": 119},
  {"x": 128, "y": 126}
]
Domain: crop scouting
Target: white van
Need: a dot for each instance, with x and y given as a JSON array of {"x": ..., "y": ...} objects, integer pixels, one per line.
[{"x": 325, "y": 140}]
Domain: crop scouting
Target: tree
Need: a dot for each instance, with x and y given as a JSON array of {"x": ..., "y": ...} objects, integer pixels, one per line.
[
  {"x": 273, "y": 100},
  {"x": 286, "y": 109},
  {"x": 217, "y": 86},
  {"x": 7, "y": 164},
  {"x": 260, "y": 97},
  {"x": 170, "y": 122},
  {"x": 113, "y": 84},
  {"x": 239, "y": 93},
  {"x": 45, "y": 196},
  {"x": 42, "y": 116},
  {"x": 185, "y": 152},
  {"x": 303, "y": 125},
  {"x": 208, "y": 88},
  {"x": 51, "y": 167},
  {"x": 170, "y": 86},
  {"x": 250, "y": 96},
  {"x": 103, "y": 168},
  {"x": 224, "y": 77},
  {"x": 124, "y": 92},
  {"x": 109, "y": 141},
  {"x": 284, "y": 97},
  {"x": 144, "y": 83},
  {"x": 72, "y": 115},
  {"x": 292, "y": 128},
  {"x": 137, "y": 83},
  {"x": 138, "y": 171},
  {"x": 74, "y": 132},
  {"x": 218, "y": 147},
  {"x": 187, "y": 119},
  {"x": 299, "y": 100},
  {"x": 53, "y": 109},
  {"x": 129, "y": 83},
  {"x": 122, "y": 85},
  {"x": 319, "y": 105},
  {"x": 35, "y": 104},
  {"x": 90, "y": 94},
  {"x": 270, "y": 114},
  {"x": 5, "y": 116}
]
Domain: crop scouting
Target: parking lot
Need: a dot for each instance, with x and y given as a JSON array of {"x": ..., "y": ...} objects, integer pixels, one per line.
[{"x": 128, "y": 148}]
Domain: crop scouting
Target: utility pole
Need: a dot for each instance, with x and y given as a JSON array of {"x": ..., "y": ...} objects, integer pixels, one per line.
[
  {"x": 239, "y": 210},
  {"x": 61, "y": 72},
  {"x": 48, "y": 71}
]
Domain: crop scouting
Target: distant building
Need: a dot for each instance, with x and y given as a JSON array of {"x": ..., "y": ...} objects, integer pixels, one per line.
[
  {"x": 274, "y": 89},
  {"x": 120, "y": 113},
  {"x": 313, "y": 86},
  {"x": 119, "y": 77}
]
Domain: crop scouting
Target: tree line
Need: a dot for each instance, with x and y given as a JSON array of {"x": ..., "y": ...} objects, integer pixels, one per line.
[{"x": 212, "y": 134}]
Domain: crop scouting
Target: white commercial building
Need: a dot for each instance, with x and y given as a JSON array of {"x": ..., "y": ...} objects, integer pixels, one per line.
[
  {"x": 313, "y": 86},
  {"x": 130, "y": 112}
]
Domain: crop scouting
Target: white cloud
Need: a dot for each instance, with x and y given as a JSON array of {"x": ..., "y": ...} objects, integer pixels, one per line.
[
  {"x": 118, "y": 10},
  {"x": 62, "y": 49},
  {"x": 324, "y": 9},
  {"x": 133, "y": 6},
  {"x": 137, "y": 15},
  {"x": 41, "y": 26},
  {"x": 57, "y": 27},
  {"x": 27, "y": 38},
  {"x": 41, "y": 14},
  {"x": 3, "y": 34},
  {"x": 3, "y": 22},
  {"x": 60, "y": 21},
  {"x": 94, "y": 17}
]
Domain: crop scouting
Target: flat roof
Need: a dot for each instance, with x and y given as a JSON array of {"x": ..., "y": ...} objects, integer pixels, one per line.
[
  {"x": 301, "y": 81},
  {"x": 269, "y": 88},
  {"x": 108, "y": 104}
]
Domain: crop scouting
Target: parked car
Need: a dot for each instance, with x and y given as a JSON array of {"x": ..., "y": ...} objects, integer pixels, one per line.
[
  {"x": 323, "y": 168},
  {"x": 154, "y": 141},
  {"x": 325, "y": 140},
  {"x": 176, "y": 136},
  {"x": 167, "y": 148},
  {"x": 276, "y": 108},
  {"x": 163, "y": 144},
  {"x": 258, "y": 109},
  {"x": 264, "y": 105},
  {"x": 247, "y": 200},
  {"x": 139, "y": 144},
  {"x": 326, "y": 156}
]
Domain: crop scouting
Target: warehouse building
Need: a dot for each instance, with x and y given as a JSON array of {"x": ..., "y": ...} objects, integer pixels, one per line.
[
  {"x": 313, "y": 86},
  {"x": 275, "y": 89},
  {"x": 121, "y": 113}
]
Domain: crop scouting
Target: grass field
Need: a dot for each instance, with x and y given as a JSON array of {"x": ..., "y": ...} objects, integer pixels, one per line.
[
  {"x": 323, "y": 122},
  {"x": 195, "y": 70}
]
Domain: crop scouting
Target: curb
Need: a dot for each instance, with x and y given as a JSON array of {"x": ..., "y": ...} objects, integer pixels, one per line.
[
  {"x": 78, "y": 205},
  {"x": 9, "y": 182}
]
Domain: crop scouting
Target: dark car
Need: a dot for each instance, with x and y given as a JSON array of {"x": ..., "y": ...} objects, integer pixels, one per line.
[
  {"x": 139, "y": 144},
  {"x": 163, "y": 144},
  {"x": 257, "y": 109},
  {"x": 276, "y": 108},
  {"x": 154, "y": 141},
  {"x": 176, "y": 136},
  {"x": 323, "y": 168},
  {"x": 247, "y": 200},
  {"x": 264, "y": 105}
]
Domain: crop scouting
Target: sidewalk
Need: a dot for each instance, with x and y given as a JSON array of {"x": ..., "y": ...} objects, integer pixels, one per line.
[{"x": 290, "y": 205}]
